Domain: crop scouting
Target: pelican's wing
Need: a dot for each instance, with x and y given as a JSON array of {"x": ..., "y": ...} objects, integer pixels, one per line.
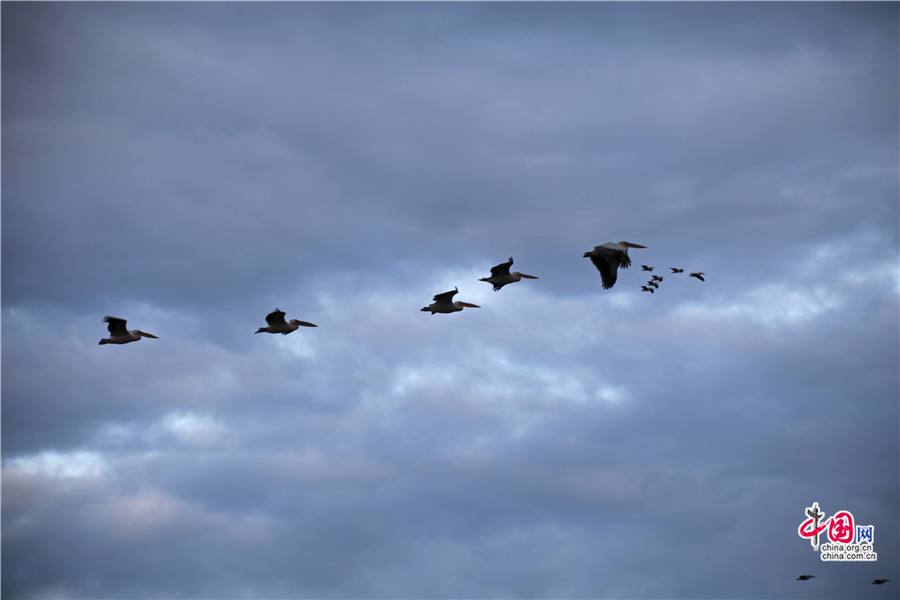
[
  {"x": 502, "y": 268},
  {"x": 116, "y": 326},
  {"x": 446, "y": 297},
  {"x": 276, "y": 317},
  {"x": 606, "y": 268},
  {"x": 617, "y": 253},
  {"x": 608, "y": 258}
]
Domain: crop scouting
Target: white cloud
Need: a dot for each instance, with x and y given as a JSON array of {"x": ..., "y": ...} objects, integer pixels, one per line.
[
  {"x": 201, "y": 430},
  {"x": 78, "y": 464}
]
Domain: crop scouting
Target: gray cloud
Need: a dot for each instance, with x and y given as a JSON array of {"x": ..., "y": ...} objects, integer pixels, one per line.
[{"x": 191, "y": 166}]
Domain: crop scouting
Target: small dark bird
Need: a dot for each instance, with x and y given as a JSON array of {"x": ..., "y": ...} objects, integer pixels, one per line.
[
  {"x": 644, "y": 288},
  {"x": 657, "y": 278},
  {"x": 277, "y": 324},
  {"x": 879, "y": 581},
  {"x": 674, "y": 270},
  {"x": 805, "y": 577},
  {"x": 119, "y": 334},
  {"x": 697, "y": 275},
  {"x": 653, "y": 283},
  {"x": 646, "y": 268}
]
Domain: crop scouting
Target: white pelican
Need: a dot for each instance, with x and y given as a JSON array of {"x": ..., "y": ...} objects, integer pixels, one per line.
[
  {"x": 646, "y": 288},
  {"x": 608, "y": 258},
  {"x": 646, "y": 268},
  {"x": 119, "y": 334},
  {"x": 674, "y": 270},
  {"x": 697, "y": 275},
  {"x": 443, "y": 303},
  {"x": 277, "y": 324},
  {"x": 805, "y": 577},
  {"x": 500, "y": 275}
]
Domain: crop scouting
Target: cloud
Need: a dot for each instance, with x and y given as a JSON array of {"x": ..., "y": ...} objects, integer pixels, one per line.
[{"x": 189, "y": 167}]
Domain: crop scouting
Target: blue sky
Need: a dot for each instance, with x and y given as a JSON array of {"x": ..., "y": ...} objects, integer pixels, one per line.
[{"x": 191, "y": 166}]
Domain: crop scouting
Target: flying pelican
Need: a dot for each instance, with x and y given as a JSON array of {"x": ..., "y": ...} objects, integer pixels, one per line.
[
  {"x": 645, "y": 288},
  {"x": 697, "y": 275},
  {"x": 119, "y": 334},
  {"x": 674, "y": 270},
  {"x": 657, "y": 278},
  {"x": 879, "y": 581},
  {"x": 500, "y": 275},
  {"x": 277, "y": 324},
  {"x": 443, "y": 303},
  {"x": 653, "y": 283},
  {"x": 646, "y": 268},
  {"x": 608, "y": 258},
  {"x": 805, "y": 577}
]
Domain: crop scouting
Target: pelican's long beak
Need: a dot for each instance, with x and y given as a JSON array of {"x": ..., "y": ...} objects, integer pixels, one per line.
[
  {"x": 466, "y": 304},
  {"x": 149, "y": 335},
  {"x": 630, "y": 245},
  {"x": 527, "y": 276},
  {"x": 305, "y": 324}
]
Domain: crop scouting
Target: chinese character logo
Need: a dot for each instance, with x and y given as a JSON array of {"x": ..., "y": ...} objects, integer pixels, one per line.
[
  {"x": 848, "y": 541},
  {"x": 810, "y": 528}
]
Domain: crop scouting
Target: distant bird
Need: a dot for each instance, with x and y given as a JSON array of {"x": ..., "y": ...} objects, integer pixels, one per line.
[
  {"x": 697, "y": 275},
  {"x": 646, "y": 268},
  {"x": 119, "y": 334},
  {"x": 657, "y": 278},
  {"x": 443, "y": 303},
  {"x": 879, "y": 581},
  {"x": 674, "y": 270},
  {"x": 608, "y": 258},
  {"x": 805, "y": 577},
  {"x": 500, "y": 275},
  {"x": 277, "y": 324},
  {"x": 654, "y": 284},
  {"x": 645, "y": 288}
]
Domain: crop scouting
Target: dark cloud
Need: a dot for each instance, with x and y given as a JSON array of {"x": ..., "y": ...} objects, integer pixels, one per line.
[{"x": 191, "y": 166}]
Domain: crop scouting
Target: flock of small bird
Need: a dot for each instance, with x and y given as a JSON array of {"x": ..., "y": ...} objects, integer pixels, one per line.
[
  {"x": 608, "y": 258},
  {"x": 874, "y": 581},
  {"x": 655, "y": 280}
]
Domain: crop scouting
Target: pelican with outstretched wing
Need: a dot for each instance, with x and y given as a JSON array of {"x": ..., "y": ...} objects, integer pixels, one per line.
[
  {"x": 500, "y": 275},
  {"x": 443, "y": 303},
  {"x": 676, "y": 270},
  {"x": 119, "y": 334},
  {"x": 277, "y": 324},
  {"x": 697, "y": 275},
  {"x": 609, "y": 258}
]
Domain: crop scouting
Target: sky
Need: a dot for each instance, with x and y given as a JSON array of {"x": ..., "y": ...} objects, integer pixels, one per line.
[{"x": 191, "y": 166}]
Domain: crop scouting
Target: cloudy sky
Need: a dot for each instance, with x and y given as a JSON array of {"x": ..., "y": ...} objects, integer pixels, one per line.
[{"x": 189, "y": 167}]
